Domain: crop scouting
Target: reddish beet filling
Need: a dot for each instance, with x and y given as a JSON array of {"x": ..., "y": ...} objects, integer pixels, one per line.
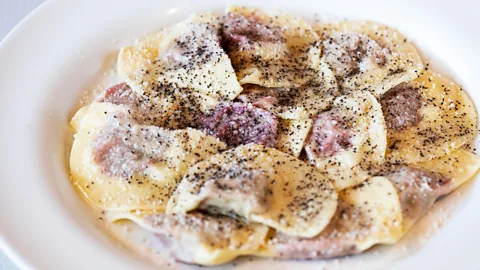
[
  {"x": 328, "y": 136},
  {"x": 116, "y": 158},
  {"x": 240, "y": 31},
  {"x": 401, "y": 106},
  {"x": 238, "y": 123}
]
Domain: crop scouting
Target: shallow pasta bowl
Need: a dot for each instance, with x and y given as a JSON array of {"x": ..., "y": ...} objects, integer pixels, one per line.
[{"x": 65, "y": 48}]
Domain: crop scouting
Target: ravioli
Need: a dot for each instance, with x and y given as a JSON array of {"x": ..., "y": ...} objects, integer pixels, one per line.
[
  {"x": 446, "y": 120},
  {"x": 368, "y": 56},
  {"x": 421, "y": 184},
  {"x": 118, "y": 165},
  {"x": 272, "y": 49},
  {"x": 367, "y": 214},
  {"x": 200, "y": 238},
  {"x": 187, "y": 56},
  {"x": 261, "y": 185},
  {"x": 380, "y": 210},
  {"x": 348, "y": 141},
  {"x": 173, "y": 110},
  {"x": 295, "y": 103},
  {"x": 459, "y": 167}
]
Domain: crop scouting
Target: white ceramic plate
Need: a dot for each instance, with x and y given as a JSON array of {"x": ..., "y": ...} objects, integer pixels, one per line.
[{"x": 63, "y": 49}]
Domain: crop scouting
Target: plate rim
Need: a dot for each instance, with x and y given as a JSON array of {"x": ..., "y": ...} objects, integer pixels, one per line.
[{"x": 8, "y": 249}]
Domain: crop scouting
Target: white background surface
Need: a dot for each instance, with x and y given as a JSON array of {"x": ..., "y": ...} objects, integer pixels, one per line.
[{"x": 11, "y": 12}]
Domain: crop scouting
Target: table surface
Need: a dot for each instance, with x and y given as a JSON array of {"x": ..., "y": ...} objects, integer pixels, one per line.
[{"x": 11, "y": 13}]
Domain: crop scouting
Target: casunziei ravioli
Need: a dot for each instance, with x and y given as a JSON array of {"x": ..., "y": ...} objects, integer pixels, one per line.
[{"x": 256, "y": 133}]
